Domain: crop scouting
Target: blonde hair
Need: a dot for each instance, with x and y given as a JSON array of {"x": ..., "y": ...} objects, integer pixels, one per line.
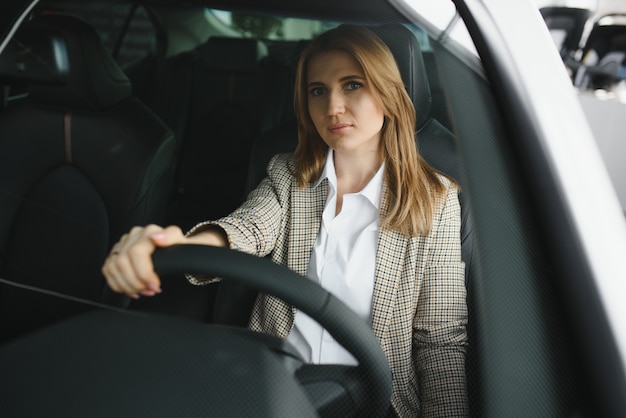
[{"x": 413, "y": 185}]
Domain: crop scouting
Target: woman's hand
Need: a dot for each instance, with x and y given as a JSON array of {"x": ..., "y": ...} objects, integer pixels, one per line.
[{"x": 128, "y": 269}]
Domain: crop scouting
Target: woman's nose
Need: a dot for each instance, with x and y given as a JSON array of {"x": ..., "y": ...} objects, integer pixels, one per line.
[{"x": 336, "y": 103}]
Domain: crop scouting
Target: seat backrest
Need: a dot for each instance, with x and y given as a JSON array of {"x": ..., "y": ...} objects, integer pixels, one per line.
[
  {"x": 210, "y": 97},
  {"x": 81, "y": 162},
  {"x": 435, "y": 142},
  {"x": 223, "y": 122}
]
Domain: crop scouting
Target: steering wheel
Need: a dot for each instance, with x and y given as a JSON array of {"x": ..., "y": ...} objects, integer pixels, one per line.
[{"x": 114, "y": 363}]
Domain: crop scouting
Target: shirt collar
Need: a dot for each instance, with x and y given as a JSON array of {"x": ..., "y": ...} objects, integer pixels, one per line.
[
  {"x": 372, "y": 191},
  {"x": 328, "y": 172}
]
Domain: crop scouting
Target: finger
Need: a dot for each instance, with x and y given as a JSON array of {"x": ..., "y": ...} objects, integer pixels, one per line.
[
  {"x": 119, "y": 267},
  {"x": 121, "y": 275},
  {"x": 116, "y": 284},
  {"x": 109, "y": 270},
  {"x": 118, "y": 245},
  {"x": 168, "y": 236},
  {"x": 139, "y": 255}
]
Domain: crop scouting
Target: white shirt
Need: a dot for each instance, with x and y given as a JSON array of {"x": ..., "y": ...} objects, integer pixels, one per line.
[{"x": 343, "y": 263}]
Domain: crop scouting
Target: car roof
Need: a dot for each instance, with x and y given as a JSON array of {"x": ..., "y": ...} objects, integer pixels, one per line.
[{"x": 368, "y": 10}]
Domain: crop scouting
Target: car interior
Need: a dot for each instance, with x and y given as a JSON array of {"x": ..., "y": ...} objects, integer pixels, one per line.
[
  {"x": 119, "y": 125},
  {"x": 593, "y": 48},
  {"x": 99, "y": 162},
  {"x": 603, "y": 55},
  {"x": 70, "y": 92},
  {"x": 567, "y": 25}
]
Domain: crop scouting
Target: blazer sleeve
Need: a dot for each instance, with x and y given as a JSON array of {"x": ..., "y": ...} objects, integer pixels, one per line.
[
  {"x": 439, "y": 333},
  {"x": 255, "y": 226}
]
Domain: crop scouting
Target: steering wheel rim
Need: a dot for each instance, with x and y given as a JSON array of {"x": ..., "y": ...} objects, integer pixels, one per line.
[{"x": 330, "y": 312}]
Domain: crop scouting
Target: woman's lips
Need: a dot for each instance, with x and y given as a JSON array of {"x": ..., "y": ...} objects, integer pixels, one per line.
[{"x": 339, "y": 127}]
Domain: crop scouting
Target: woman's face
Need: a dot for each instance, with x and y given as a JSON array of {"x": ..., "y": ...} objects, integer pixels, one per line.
[{"x": 341, "y": 104}]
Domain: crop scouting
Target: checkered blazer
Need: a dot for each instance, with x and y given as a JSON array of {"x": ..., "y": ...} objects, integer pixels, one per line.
[{"x": 419, "y": 309}]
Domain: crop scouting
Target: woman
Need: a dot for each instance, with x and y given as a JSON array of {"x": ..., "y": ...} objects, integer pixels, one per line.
[{"x": 359, "y": 211}]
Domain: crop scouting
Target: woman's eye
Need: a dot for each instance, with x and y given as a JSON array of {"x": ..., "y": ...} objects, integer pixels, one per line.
[
  {"x": 316, "y": 91},
  {"x": 353, "y": 85}
]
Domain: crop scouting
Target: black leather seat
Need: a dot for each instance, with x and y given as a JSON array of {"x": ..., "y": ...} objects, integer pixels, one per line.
[
  {"x": 435, "y": 142},
  {"x": 81, "y": 162},
  {"x": 210, "y": 97}
]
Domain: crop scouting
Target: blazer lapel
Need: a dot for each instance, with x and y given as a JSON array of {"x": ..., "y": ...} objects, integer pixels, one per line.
[
  {"x": 390, "y": 255},
  {"x": 307, "y": 208}
]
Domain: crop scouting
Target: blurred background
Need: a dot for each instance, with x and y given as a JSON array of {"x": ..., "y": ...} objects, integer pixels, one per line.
[{"x": 591, "y": 38}]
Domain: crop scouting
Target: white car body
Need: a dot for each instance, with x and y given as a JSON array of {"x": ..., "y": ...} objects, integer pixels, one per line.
[{"x": 541, "y": 167}]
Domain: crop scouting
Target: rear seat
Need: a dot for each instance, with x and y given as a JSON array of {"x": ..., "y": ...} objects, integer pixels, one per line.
[
  {"x": 223, "y": 119},
  {"x": 216, "y": 100},
  {"x": 211, "y": 98}
]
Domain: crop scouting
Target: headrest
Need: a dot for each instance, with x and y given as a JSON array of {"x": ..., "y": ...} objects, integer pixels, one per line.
[
  {"x": 64, "y": 64},
  {"x": 232, "y": 55},
  {"x": 406, "y": 50}
]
